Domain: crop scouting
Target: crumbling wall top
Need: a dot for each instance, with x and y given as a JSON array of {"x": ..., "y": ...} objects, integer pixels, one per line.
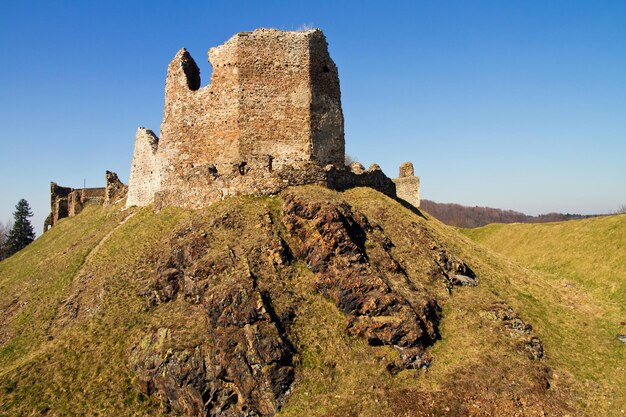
[{"x": 406, "y": 170}]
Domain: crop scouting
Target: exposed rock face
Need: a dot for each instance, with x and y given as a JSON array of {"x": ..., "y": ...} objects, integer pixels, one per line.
[
  {"x": 517, "y": 329},
  {"x": 331, "y": 241},
  {"x": 408, "y": 185},
  {"x": 248, "y": 366}
]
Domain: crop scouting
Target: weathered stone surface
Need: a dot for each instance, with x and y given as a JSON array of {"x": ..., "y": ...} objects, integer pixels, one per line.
[
  {"x": 406, "y": 170},
  {"x": 408, "y": 185},
  {"x": 247, "y": 367},
  {"x": 518, "y": 329},
  {"x": 68, "y": 202},
  {"x": 244, "y": 360},
  {"x": 244, "y": 372},
  {"x": 145, "y": 176},
  {"x": 236, "y": 274},
  {"x": 114, "y": 189},
  {"x": 270, "y": 118},
  {"x": 331, "y": 241},
  {"x": 451, "y": 270}
]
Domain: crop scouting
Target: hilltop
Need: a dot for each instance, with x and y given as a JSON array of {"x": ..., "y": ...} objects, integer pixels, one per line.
[{"x": 309, "y": 302}]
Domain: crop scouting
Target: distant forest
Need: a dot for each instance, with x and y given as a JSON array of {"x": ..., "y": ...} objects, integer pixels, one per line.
[{"x": 463, "y": 216}]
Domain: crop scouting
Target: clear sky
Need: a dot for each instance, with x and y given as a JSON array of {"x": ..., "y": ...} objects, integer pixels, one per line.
[{"x": 510, "y": 104}]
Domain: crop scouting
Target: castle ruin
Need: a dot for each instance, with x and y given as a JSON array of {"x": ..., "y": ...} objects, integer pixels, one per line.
[
  {"x": 270, "y": 118},
  {"x": 408, "y": 185},
  {"x": 68, "y": 202}
]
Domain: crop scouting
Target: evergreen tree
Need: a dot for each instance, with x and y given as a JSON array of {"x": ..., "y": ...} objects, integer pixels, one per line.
[{"x": 22, "y": 232}]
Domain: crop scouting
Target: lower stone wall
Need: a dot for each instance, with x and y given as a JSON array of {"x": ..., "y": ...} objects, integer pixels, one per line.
[
  {"x": 357, "y": 176},
  {"x": 205, "y": 184},
  {"x": 68, "y": 202}
]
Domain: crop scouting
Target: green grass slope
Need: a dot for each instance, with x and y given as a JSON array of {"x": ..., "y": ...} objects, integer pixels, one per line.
[
  {"x": 585, "y": 261},
  {"x": 70, "y": 310}
]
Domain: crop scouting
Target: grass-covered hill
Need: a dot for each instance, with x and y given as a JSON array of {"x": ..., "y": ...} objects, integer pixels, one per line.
[
  {"x": 309, "y": 303},
  {"x": 586, "y": 261}
]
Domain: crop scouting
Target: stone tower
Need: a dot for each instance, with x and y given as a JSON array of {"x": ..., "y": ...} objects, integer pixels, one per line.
[
  {"x": 408, "y": 185},
  {"x": 270, "y": 117}
]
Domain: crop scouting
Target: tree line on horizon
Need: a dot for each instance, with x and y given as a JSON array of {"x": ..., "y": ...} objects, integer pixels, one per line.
[{"x": 469, "y": 217}]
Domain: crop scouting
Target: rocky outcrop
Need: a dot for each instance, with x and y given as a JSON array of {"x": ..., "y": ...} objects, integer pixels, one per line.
[
  {"x": 245, "y": 372},
  {"x": 517, "y": 329},
  {"x": 331, "y": 241},
  {"x": 248, "y": 367}
]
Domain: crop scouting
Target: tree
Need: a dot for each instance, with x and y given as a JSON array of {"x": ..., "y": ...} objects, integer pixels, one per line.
[
  {"x": 5, "y": 229},
  {"x": 22, "y": 232}
]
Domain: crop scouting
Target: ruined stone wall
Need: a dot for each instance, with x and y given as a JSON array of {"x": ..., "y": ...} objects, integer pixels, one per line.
[
  {"x": 58, "y": 202},
  {"x": 328, "y": 144},
  {"x": 408, "y": 185},
  {"x": 270, "y": 118},
  {"x": 114, "y": 190},
  {"x": 68, "y": 202},
  {"x": 145, "y": 175},
  {"x": 273, "y": 102},
  {"x": 358, "y": 176}
]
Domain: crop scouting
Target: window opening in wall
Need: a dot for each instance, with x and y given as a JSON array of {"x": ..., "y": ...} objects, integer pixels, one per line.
[{"x": 242, "y": 168}]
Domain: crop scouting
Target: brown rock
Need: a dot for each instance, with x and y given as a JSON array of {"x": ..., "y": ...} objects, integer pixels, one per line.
[{"x": 332, "y": 241}]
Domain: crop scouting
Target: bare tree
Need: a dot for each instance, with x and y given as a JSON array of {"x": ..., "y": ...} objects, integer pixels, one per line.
[
  {"x": 5, "y": 229},
  {"x": 621, "y": 209}
]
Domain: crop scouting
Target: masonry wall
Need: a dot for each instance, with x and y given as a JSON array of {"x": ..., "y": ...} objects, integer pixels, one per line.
[
  {"x": 275, "y": 99},
  {"x": 408, "y": 185},
  {"x": 273, "y": 102},
  {"x": 145, "y": 173},
  {"x": 199, "y": 129},
  {"x": 68, "y": 202},
  {"x": 327, "y": 125},
  {"x": 270, "y": 118}
]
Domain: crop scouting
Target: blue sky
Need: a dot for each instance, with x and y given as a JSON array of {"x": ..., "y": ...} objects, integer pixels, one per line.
[{"x": 511, "y": 104}]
